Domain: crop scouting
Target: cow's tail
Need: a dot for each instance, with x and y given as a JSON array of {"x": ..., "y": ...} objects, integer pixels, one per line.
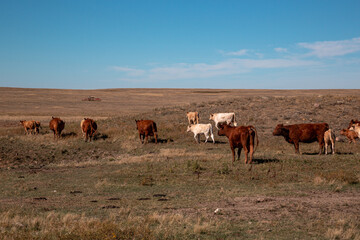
[{"x": 252, "y": 128}]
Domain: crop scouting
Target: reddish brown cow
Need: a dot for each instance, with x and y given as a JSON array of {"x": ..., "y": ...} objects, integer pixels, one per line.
[
  {"x": 146, "y": 128},
  {"x": 240, "y": 137},
  {"x": 350, "y": 134},
  {"x": 89, "y": 127},
  {"x": 29, "y": 125},
  {"x": 56, "y": 125},
  {"x": 306, "y": 133},
  {"x": 353, "y": 122}
]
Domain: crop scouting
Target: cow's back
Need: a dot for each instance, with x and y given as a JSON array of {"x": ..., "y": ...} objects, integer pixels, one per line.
[
  {"x": 56, "y": 124},
  {"x": 307, "y": 132}
]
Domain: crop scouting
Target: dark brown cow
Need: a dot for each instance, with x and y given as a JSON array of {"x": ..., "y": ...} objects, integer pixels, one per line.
[
  {"x": 89, "y": 127},
  {"x": 350, "y": 134},
  {"x": 29, "y": 125},
  {"x": 37, "y": 127},
  {"x": 146, "y": 128},
  {"x": 240, "y": 137},
  {"x": 56, "y": 125},
  {"x": 306, "y": 133},
  {"x": 353, "y": 122}
]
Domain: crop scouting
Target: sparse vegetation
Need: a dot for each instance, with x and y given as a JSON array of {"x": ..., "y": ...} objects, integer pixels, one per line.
[{"x": 117, "y": 188}]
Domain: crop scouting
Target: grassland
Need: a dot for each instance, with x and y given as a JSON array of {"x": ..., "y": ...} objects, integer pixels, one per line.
[{"x": 116, "y": 188}]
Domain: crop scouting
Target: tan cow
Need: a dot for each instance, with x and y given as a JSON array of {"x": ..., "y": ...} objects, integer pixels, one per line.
[
  {"x": 356, "y": 128},
  {"x": 29, "y": 125},
  {"x": 329, "y": 139},
  {"x": 193, "y": 117},
  {"x": 350, "y": 134}
]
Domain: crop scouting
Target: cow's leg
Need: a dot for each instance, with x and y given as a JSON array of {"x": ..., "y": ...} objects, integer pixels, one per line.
[
  {"x": 321, "y": 147},
  {"x": 326, "y": 148},
  {"x": 296, "y": 145},
  {"x": 146, "y": 138},
  {"x": 246, "y": 152},
  {"x": 333, "y": 146},
  {"x": 196, "y": 138},
  {"x": 206, "y": 137},
  {"x": 239, "y": 152},
  {"x": 155, "y": 136},
  {"x": 212, "y": 136},
  {"x": 233, "y": 154},
  {"x": 251, "y": 147}
]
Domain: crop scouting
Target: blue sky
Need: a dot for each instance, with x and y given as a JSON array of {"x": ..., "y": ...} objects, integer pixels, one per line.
[{"x": 180, "y": 44}]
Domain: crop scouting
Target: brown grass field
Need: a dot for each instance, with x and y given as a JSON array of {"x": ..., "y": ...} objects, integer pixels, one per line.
[{"x": 117, "y": 188}]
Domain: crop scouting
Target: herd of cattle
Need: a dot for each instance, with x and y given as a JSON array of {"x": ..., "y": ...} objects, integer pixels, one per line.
[{"x": 240, "y": 137}]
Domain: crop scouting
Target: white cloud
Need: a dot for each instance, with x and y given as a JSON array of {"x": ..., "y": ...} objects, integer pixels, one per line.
[
  {"x": 241, "y": 52},
  {"x": 129, "y": 71},
  {"x": 332, "y": 48},
  {"x": 203, "y": 70},
  {"x": 281, "y": 50}
]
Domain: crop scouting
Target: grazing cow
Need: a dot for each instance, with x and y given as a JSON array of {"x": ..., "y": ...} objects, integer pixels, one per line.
[
  {"x": 306, "y": 133},
  {"x": 350, "y": 134},
  {"x": 89, "y": 127},
  {"x": 28, "y": 125},
  {"x": 56, "y": 125},
  {"x": 240, "y": 137},
  {"x": 352, "y": 122},
  {"x": 197, "y": 129},
  {"x": 329, "y": 139},
  {"x": 223, "y": 118},
  {"x": 146, "y": 128},
  {"x": 193, "y": 117}
]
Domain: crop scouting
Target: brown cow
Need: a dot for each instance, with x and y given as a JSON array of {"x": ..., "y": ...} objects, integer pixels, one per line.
[
  {"x": 240, "y": 137},
  {"x": 89, "y": 127},
  {"x": 352, "y": 122},
  {"x": 29, "y": 125},
  {"x": 56, "y": 125},
  {"x": 350, "y": 134},
  {"x": 306, "y": 133},
  {"x": 146, "y": 128},
  {"x": 193, "y": 117},
  {"x": 37, "y": 127}
]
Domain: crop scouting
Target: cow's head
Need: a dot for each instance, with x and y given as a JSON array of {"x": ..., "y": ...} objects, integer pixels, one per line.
[
  {"x": 188, "y": 129},
  {"x": 343, "y": 132},
  {"x": 222, "y": 129},
  {"x": 211, "y": 117},
  {"x": 279, "y": 130},
  {"x": 22, "y": 122}
]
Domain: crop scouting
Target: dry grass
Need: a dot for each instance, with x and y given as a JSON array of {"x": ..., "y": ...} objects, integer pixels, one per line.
[{"x": 117, "y": 188}]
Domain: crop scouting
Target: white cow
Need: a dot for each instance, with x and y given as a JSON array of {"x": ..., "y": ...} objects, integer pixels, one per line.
[
  {"x": 223, "y": 118},
  {"x": 206, "y": 129},
  {"x": 329, "y": 138}
]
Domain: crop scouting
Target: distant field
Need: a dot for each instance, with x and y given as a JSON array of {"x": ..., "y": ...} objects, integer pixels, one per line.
[{"x": 117, "y": 188}]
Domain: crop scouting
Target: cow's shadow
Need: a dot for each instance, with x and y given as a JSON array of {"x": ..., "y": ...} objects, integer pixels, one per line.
[
  {"x": 69, "y": 135},
  {"x": 160, "y": 140},
  {"x": 329, "y": 153},
  {"x": 265, "y": 160},
  {"x": 99, "y": 136}
]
